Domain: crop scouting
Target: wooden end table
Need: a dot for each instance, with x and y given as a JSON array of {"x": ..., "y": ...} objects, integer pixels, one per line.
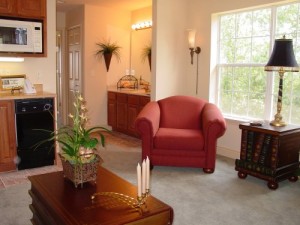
[
  {"x": 269, "y": 153},
  {"x": 55, "y": 201}
]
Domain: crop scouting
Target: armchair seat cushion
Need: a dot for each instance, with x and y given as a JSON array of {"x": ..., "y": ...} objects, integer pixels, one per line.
[{"x": 179, "y": 139}]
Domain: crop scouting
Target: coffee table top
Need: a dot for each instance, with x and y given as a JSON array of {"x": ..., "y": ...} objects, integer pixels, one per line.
[{"x": 73, "y": 205}]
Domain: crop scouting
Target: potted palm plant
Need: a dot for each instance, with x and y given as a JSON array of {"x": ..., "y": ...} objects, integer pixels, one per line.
[
  {"x": 106, "y": 49},
  {"x": 146, "y": 54}
]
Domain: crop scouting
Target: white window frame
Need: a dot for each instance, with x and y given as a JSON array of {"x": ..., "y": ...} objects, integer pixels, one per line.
[{"x": 268, "y": 112}]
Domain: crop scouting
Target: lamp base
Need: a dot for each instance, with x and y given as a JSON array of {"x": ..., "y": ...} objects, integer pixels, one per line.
[{"x": 278, "y": 123}]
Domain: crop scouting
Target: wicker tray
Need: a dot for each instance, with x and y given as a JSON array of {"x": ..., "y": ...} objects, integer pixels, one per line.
[{"x": 81, "y": 173}]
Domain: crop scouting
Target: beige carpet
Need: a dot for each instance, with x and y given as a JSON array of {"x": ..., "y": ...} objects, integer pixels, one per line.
[
  {"x": 197, "y": 198},
  {"x": 115, "y": 141}
]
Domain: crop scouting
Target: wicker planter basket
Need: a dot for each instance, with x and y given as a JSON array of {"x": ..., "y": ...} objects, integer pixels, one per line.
[{"x": 81, "y": 173}]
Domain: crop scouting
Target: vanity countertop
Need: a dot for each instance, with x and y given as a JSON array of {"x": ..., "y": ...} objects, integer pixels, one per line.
[
  {"x": 7, "y": 95},
  {"x": 129, "y": 91}
]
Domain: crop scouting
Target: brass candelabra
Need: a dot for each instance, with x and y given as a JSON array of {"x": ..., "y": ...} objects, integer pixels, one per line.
[{"x": 135, "y": 203}]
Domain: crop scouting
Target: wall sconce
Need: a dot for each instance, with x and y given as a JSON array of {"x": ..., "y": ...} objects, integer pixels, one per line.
[
  {"x": 11, "y": 59},
  {"x": 142, "y": 25},
  {"x": 193, "y": 49},
  {"x": 282, "y": 60}
]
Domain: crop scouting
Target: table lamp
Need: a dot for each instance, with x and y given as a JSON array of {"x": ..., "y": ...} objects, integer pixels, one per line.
[{"x": 282, "y": 60}]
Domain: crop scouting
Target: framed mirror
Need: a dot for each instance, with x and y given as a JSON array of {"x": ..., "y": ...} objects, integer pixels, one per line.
[{"x": 141, "y": 41}]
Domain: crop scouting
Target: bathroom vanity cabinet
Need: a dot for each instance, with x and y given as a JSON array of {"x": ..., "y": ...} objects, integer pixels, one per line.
[{"x": 122, "y": 110}]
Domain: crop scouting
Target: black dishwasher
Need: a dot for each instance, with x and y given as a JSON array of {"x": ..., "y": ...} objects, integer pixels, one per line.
[{"x": 32, "y": 115}]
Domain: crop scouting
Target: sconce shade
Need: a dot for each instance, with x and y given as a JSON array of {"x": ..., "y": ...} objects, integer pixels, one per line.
[
  {"x": 191, "y": 38},
  {"x": 282, "y": 57}
]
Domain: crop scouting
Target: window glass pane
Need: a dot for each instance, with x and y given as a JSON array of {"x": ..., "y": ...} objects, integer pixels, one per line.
[
  {"x": 287, "y": 19},
  {"x": 244, "y": 24},
  {"x": 243, "y": 50},
  {"x": 227, "y": 23},
  {"x": 240, "y": 104},
  {"x": 295, "y": 111},
  {"x": 256, "y": 105},
  {"x": 261, "y": 22},
  {"x": 227, "y": 50},
  {"x": 241, "y": 79},
  {"x": 226, "y": 78},
  {"x": 260, "y": 49},
  {"x": 296, "y": 45},
  {"x": 258, "y": 80},
  {"x": 225, "y": 102}
]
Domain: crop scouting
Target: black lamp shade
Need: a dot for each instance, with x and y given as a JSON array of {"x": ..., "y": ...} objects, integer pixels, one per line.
[{"x": 282, "y": 57}]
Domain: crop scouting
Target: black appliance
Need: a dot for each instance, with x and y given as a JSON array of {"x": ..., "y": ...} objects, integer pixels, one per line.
[{"x": 31, "y": 116}]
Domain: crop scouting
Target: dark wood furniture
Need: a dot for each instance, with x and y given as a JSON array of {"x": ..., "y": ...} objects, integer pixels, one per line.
[
  {"x": 23, "y": 8},
  {"x": 122, "y": 110},
  {"x": 7, "y": 135},
  {"x": 55, "y": 200},
  {"x": 270, "y": 153}
]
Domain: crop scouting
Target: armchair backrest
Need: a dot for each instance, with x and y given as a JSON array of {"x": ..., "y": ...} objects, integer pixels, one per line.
[{"x": 182, "y": 112}]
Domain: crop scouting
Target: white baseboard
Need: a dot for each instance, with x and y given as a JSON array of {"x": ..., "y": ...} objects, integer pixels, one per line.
[{"x": 228, "y": 152}]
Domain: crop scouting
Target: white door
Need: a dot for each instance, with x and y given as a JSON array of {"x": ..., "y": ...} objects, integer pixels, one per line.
[{"x": 74, "y": 65}]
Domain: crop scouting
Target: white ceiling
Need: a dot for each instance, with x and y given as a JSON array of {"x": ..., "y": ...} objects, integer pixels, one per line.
[{"x": 65, "y": 5}]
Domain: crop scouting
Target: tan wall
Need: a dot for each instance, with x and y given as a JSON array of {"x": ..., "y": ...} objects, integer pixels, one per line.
[{"x": 103, "y": 24}]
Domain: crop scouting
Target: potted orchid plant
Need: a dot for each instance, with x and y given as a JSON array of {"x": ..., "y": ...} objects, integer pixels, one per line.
[{"x": 78, "y": 144}]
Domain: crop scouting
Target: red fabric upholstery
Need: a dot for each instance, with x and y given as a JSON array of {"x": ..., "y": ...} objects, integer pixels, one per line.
[{"x": 180, "y": 131}]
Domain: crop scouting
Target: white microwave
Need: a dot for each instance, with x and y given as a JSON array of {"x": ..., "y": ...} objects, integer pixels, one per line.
[{"x": 21, "y": 36}]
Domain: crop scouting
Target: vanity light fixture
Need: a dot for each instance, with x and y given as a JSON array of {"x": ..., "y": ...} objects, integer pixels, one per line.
[
  {"x": 11, "y": 59},
  {"x": 191, "y": 39},
  {"x": 142, "y": 25}
]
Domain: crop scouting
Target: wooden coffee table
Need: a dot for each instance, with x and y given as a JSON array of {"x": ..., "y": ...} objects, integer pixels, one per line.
[{"x": 55, "y": 200}]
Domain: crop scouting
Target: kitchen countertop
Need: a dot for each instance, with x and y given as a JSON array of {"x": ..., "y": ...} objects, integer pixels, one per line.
[
  {"x": 129, "y": 91},
  {"x": 7, "y": 95}
]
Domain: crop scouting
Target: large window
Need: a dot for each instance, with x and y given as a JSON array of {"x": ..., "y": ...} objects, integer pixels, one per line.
[{"x": 246, "y": 38}]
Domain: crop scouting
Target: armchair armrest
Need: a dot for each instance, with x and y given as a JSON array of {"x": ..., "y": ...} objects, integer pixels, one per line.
[
  {"x": 212, "y": 118},
  {"x": 147, "y": 122},
  {"x": 214, "y": 126}
]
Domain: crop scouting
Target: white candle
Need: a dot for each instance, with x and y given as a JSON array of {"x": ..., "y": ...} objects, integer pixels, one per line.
[
  {"x": 139, "y": 184},
  {"x": 148, "y": 173},
  {"x": 144, "y": 177}
]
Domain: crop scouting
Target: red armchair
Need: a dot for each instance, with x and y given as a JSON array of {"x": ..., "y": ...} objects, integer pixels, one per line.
[{"x": 180, "y": 131}]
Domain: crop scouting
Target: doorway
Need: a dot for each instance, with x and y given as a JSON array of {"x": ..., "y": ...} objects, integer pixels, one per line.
[
  {"x": 59, "y": 79},
  {"x": 74, "y": 68},
  {"x": 68, "y": 71}
]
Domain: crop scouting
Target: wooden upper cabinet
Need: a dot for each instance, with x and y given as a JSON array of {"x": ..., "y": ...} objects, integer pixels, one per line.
[
  {"x": 7, "y": 7},
  {"x": 23, "y": 8},
  {"x": 31, "y": 8}
]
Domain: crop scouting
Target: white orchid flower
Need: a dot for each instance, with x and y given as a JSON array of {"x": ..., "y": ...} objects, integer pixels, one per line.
[{"x": 80, "y": 98}]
